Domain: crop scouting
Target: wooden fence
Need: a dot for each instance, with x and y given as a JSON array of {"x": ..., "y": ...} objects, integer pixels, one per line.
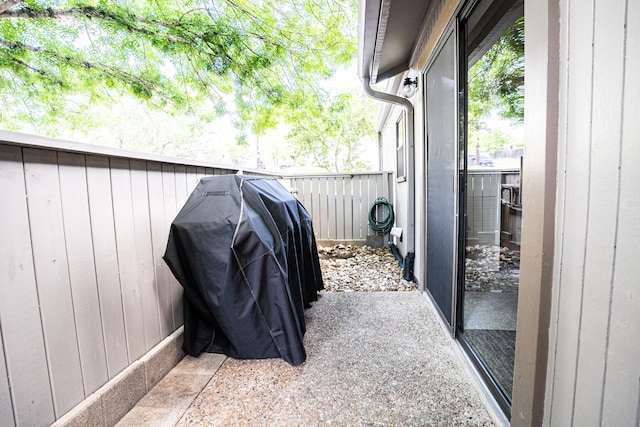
[
  {"x": 340, "y": 204},
  {"x": 84, "y": 291},
  {"x": 487, "y": 217}
]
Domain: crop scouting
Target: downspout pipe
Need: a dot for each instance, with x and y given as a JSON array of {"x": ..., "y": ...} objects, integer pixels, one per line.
[{"x": 411, "y": 201}]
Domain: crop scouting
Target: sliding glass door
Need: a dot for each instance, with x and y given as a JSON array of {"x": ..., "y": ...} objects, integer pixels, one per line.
[
  {"x": 492, "y": 66},
  {"x": 442, "y": 170},
  {"x": 474, "y": 92}
]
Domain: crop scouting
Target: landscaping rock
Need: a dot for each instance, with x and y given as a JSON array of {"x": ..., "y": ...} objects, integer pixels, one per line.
[{"x": 361, "y": 269}]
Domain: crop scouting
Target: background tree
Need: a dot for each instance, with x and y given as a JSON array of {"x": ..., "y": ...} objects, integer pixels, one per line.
[
  {"x": 57, "y": 57},
  {"x": 496, "y": 80},
  {"x": 496, "y": 85},
  {"x": 335, "y": 134}
]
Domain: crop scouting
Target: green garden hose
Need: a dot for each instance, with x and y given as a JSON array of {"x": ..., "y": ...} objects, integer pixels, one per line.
[{"x": 381, "y": 227}]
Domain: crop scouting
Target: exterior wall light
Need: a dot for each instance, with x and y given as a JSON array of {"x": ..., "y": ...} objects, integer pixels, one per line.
[{"x": 409, "y": 87}]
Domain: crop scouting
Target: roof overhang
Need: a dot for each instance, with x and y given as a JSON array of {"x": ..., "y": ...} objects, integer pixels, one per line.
[{"x": 388, "y": 31}]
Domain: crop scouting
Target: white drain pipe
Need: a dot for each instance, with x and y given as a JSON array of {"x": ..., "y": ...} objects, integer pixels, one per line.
[{"x": 411, "y": 200}]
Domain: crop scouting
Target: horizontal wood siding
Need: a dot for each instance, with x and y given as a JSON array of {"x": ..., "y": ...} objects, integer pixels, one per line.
[
  {"x": 594, "y": 369},
  {"x": 84, "y": 291}
]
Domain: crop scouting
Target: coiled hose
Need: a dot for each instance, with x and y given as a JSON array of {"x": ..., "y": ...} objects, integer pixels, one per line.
[{"x": 381, "y": 227}]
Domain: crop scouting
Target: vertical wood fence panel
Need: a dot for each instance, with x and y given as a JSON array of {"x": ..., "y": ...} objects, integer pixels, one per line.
[
  {"x": 6, "y": 410},
  {"x": 104, "y": 247},
  {"x": 331, "y": 209},
  {"x": 483, "y": 208},
  {"x": 339, "y": 204},
  {"x": 173, "y": 290},
  {"x": 82, "y": 273},
  {"x": 365, "y": 202},
  {"x": 348, "y": 208},
  {"x": 144, "y": 253},
  {"x": 317, "y": 216},
  {"x": 182, "y": 192},
  {"x": 359, "y": 232},
  {"x": 24, "y": 351},
  {"x": 159, "y": 234},
  {"x": 52, "y": 275},
  {"x": 192, "y": 179},
  {"x": 127, "y": 257}
]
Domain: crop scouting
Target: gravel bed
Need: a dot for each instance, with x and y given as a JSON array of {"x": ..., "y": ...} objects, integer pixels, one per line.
[
  {"x": 349, "y": 268},
  {"x": 492, "y": 269},
  {"x": 361, "y": 268}
]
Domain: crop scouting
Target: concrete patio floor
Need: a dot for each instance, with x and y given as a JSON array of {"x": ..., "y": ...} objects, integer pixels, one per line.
[{"x": 373, "y": 359}]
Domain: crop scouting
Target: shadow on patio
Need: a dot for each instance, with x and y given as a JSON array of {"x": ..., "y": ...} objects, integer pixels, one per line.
[{"x": 374, "y": 358}]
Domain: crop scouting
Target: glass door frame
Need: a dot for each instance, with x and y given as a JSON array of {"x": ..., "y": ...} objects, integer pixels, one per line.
[{"x": 461, "y": 30}]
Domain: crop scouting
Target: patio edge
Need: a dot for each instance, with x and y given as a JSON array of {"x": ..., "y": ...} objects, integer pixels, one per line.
[{"x": 111, "y": 402}]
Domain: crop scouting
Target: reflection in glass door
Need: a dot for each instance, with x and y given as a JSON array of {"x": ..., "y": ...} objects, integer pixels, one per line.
[{"x": 490, "y": 253}]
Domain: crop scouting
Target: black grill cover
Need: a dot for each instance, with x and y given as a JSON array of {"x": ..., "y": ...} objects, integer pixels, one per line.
[{"x": 244, "y": 251}]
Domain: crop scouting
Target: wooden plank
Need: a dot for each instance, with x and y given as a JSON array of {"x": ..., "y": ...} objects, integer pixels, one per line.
[
  {"x": 379, "y": 183},
  {"x": 308, "y": 195},
  {"x": 127, "y": 256},
  {"x": 385, "y": 187},
  {"x": 331, "y": 207},
  {"x": 382, "y": 212},
  {"x": 201, "y": 172},
  {"x": 192, "y": 179},
  {"x": 340, "y": 208},
  {"x": 144, "y": 251},
  {"x": 366, "y": 204},
  {"x": 299, "y": 194},
  {"x": 621, "y": 404},
  {"x": 348, "y": 208},
  {"x": 6, "y": 407},
  {"x": 603, "y": 209},
  {"x": 577, "y": 137},
  {"x": 181, "y": 186},
  {"x": 181, "y": 198},
  {"x": 318, "y": 220},
  {"x": 22, "y": 335},
  {"x": 52, "y": 277},
  {"x": 106, "y": 263},
  {"x": 359, "y": 211},
  {"x": 170, "y": 211},
  {"x": 159, "y": 236},
  {"x": 293, "y": 183},
  {"x": 82, "y": 272},
  {"x": 296, "y": 184}
]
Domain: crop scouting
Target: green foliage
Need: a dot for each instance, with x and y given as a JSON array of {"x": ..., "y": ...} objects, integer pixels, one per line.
[
  {"x": 331, "y": 134},
  {"x": 58, "y": 56},
  {"x": 497, "y": 79},
  {"x": 496, "y": 83},
  {"x": 489, "y": 140}
]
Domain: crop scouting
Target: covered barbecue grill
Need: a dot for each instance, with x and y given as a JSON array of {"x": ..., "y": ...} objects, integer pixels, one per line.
[{"x": 244, "y": 251}]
